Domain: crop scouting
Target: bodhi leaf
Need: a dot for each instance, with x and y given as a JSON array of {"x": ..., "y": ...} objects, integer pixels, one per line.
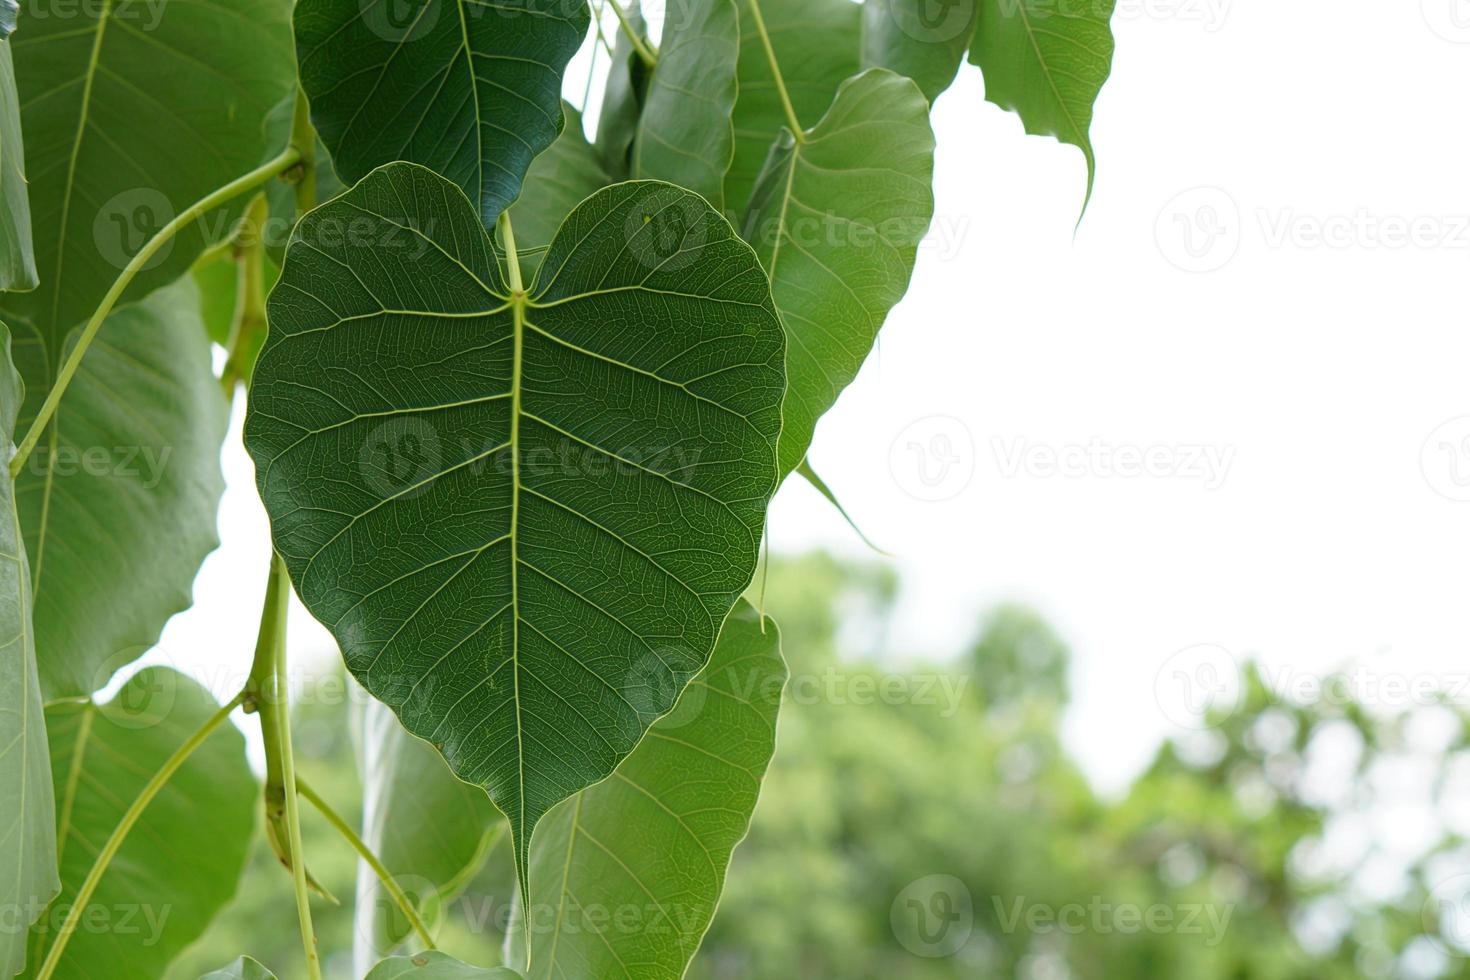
[
  {"x": 817, "y": 44},
  {"x": 630, "y": 870},
  {"x": 118, "y": 500},
  {"x": 923, "y": 39},
  {"x": 28, "y": 828},
  {"x": 563, "y": 489},
  {"x": 837, "y": 218},
  {"x": 559, "y": 180},
  {"x": 469, "y": 88},
  {"x": 1047, "y": 60},
  {"x": 436, "y": 966},
  {"x": 179, "y": 865},
  {"x": 17, "y": 257},
  {"x": 429, "y": 829},
  {"x": 134, "y": 110},
  {"x": 684, "y": 133},
  {"x": 242, "y": 969}
]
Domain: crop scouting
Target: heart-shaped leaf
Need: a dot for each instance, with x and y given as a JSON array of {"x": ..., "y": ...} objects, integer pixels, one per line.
[
  {"x": 17, "y": 256},
  {"x": 436, "y": 966},
  {"x": 630, "y": 870},
  {"x": 523, "y": 514},
  {"x": 837, "y": 218},
  {"x": 817, "y": 44},
  {"x": 28, "y": 877},
  {"x": 684, "y": 133},
  {"x": 126, "y": 480},
  {"x": 1047, "y": 61},
  {"x": 469, "y": 88},
  {"x": 179, "y": 865},
  {"x": 923, "y": 39}
]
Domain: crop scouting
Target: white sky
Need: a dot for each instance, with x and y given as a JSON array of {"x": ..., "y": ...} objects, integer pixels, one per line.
[{"x": 1317, "y": 372}]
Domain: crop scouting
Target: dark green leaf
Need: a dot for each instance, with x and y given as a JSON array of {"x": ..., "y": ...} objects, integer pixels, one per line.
[
  {"x": 436, "y": 966},
  {"x": 817, "y": 45},
  {"x": 28, "y": 827},
  {"x": 17, "y": 256},
  {"x": 179, "y": 865},
  {"x": 630, "y": 870},
  {"x": 242, "y": 969},
  {"x": 132, "y": 112},
  {"x": 1047, "y": 60},
  {"x": 837, "y": 218},
  {"x": 923, "y": 39},
  {"x": 118, "y": 500},
  {"x": 469, "y": 88},
  {"x": 563, "y": 492},
  {"x": 429, "y": 829},
  {"x": 684, "y": 134}
]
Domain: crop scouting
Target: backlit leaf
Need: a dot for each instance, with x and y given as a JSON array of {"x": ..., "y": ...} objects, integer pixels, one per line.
[
  {"x": 923, "y": 39},
  {"x": 562, "y": 492},
  {"x": 436, "y": 966}
]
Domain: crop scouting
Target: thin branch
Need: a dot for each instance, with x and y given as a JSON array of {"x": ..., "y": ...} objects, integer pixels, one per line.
[
  {"x": 792, "y": 122},
  {"x": 639, "y": 44}
]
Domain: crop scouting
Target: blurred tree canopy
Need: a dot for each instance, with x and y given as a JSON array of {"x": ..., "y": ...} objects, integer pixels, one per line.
[{"x": 925, "y": 821}]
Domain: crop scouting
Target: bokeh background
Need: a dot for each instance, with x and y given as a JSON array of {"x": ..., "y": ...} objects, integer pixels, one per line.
[{"x": 1166, "y": 669}]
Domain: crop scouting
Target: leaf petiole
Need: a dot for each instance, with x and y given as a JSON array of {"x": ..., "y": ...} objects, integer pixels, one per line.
[
  {"x": 241, "y": 185},
  {"x": 792, "y": 122},
  {"x": 640, "y": 45}
]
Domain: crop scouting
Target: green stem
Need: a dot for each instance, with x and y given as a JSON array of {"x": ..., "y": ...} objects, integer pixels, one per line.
[
  {"x": 110, "y": 849},
  {"x": 792, "y": 122},
  {"x": 366, "y": 853},
  {"x": 289, "y": 158},
  {"x": 303, "y": 141},
  {"x": 639, "y": 45},
  {"x": 512, "y": 257},
  {"x": 249, "y": 318}
]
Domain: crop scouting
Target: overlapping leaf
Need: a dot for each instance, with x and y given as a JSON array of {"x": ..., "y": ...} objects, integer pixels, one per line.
[
  {"x": 629, "y": 871},
  {"x": 524, "y": 516},
  {"x": 836, "y": 218},
  {"x": 817, "y": 45},
  {"x": 623, "y": 95},
  {"x": 429, "y": 829},
  {"x": 923, "y": 39},
  {"x": 17, "y": 256},
  {"x": 179, "y": 865},
  {"x": 244, "y": 968},
  {"x": 28, "y": 877},
  {"x": 469, "y": 88},
  {"x": 558, "y": 181},
  {"x": 118, "y": 501},
  {"x": 1047, "y": 60},
  {"x": 436, "y": 966},
  {"x": 685, "y": 134}
]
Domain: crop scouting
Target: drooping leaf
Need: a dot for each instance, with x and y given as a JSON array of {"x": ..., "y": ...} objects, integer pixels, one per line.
[
  {"x": 649, "y": 846},
  {"x": 118, "y": 500},
  {"x": 429, "y": 829},
  {"x": 684, "y": 133},
  {"x": 817, "y": 45},
  {"x": 623, "y": 95},
  {"x": 179, "y": 865},
  {"x": 1046, "y": 61},
  {"x": 28, "y": 877},
  {"x": 436, "y": 966},
  {"x": 837, "y": 218},
  {"x": 559, "y": 180},
  {"x": 132, "y": 112},
  {"x": 469, "y": 88},
  {"x": 923, "y": 39},
  {"x": 563, "y": 491},
  {"x": 17, "y": 256},
  {"x": 242, "y": 969}
]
